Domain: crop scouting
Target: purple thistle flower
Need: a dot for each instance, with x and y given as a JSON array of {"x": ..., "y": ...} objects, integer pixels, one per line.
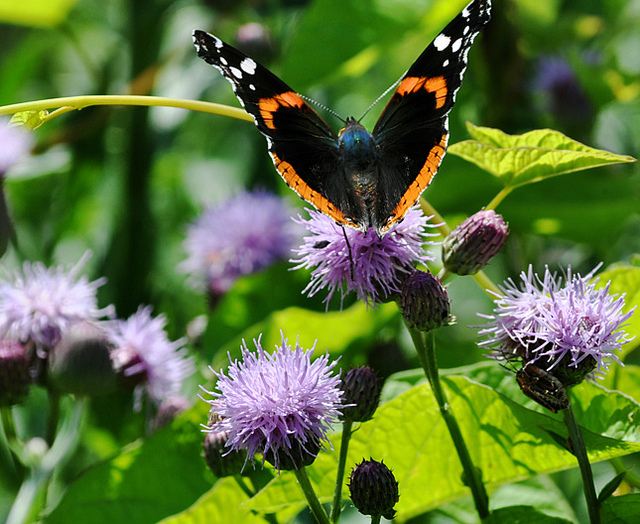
[
  {"x": 144, "y": 356},
  {"x": 15, "y": 143},
  {"x": 555, "y": 324},
  {"x": 280, "y": 404},
  {"x": 373, "y": 267},
  {"x": 244, "y": 235},
  {"x": 39, "y": 303}
]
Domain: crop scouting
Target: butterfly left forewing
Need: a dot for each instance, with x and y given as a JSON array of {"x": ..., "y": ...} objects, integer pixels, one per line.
[{"x": 301, "y": 143}]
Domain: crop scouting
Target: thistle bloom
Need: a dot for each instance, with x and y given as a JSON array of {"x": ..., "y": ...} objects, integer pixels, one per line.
[
  {"x": 38, "y": 303},
  {"x": 244, "y": 235},
  {"x": 557, "y": 326},
  {"x": 280, "y": 404},
  {"x": 350, "y": 260},
  {"x": 144, "y": 356}
]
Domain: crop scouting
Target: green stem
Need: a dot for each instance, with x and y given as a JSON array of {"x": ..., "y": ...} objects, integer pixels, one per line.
[
  {"x": 487, "y": 284},
  {"x": 342, "y": 461},
  {"x": 580, "y": 452},
  {"x": 425, "y": 346},
  {"x": 499, "y": 197},
  {"x": 24, "y": 506},
  {"x": 53, "y": 419},
  {"x": 428, "y": 209},
  {"x": 314, "y": 504},
  {"x": 375, "y": 519},
  {"x": 13, "y": 443},
  {"x": 71, "y": 103}
]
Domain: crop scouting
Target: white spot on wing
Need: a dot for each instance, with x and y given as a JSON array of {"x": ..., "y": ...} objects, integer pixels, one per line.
[
  {"x": 223, "y": 61},
  {"x": 456, "y": 45},
  {"x": 236, "y": 72},
  {"x": 252, "y": 87},
  {"x": 445, "y": 63},
  {"x": 441, "y": 42},
  {"x": 248, "y": 66},
  {"x": 466, "y": 30}
]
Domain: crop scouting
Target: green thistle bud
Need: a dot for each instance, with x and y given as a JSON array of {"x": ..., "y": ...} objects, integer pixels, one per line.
[
  {"x": 80, "y": 362},
  {"x": 361, "y": 387},
  {"x": 222, "y": 461},
  {"x": 471, "y": 245},
  {"x": 15, "y": 378},
  {"x": 373, "y": 489},
  {"x": 424, "y": 302}
]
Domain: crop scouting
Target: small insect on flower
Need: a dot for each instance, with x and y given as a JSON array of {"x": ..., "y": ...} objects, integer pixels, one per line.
[
  {"x": 280, "y": 404},
  {"x": 348, "y": 260},
  {"x": 543, "y": 387}
]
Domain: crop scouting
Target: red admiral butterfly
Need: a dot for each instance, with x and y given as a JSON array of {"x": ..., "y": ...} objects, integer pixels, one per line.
[{"x": 358, "y": 178}]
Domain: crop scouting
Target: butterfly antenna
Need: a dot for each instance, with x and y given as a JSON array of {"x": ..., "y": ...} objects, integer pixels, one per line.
[
  {"x": 386, "y": 92},
  {"x": 322, "y": 106},
  {"x": 351, "y": 263}
]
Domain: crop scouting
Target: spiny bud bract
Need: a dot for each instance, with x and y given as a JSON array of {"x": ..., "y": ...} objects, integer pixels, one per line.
[
  {"x": 373, "y": 489},
  {"x": 471, "y": 245},
  {"x": 424, "y": 302},
  {"x": 222, "y": 461},
  {"x": 361, "y": 387}
]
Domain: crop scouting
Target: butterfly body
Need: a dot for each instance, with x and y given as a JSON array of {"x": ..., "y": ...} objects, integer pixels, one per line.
[{"x": 359, "y": 178}]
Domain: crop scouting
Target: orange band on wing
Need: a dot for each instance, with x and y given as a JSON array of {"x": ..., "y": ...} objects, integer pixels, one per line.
[
  {"x": 436, "y": 85},
  {"x": 269, "y": 106},
  {"x": 303, "y": 189},
  {"x": 428, "y": 171}
]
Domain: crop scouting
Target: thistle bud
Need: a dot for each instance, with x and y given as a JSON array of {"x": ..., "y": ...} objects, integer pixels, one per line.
[
  {"x": 361, "y": 388},
  {"x": 471, "y": 245},
  {"x": 222, "y": 461},
  {"x": 373, "y": 489},
  {"x": 80, "y": 362},
  {"x": 14, "y": 373},
  {"x": 424, "y": 302}
]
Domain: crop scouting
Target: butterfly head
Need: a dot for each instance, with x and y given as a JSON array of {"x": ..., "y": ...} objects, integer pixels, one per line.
[{"x": 356, "y": 144}]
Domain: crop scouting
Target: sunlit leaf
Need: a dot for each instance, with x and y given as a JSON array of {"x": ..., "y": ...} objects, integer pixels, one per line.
[
  {"x": 534, "y": 156},
  {"x": 30, "y": 119}
]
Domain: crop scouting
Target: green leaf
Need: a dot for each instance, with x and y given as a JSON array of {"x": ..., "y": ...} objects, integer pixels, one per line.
[
  {"x": 626, "y": 279},
  {"x": 534, "y": 156},
  {"x": 35, "y": 13},
  {"x": 31, "y": 119},
  {"x": 507, "y": 441},
  {"x": 148, "y": 481},
  {"x": 611, "y": 487},
  {"x": 220, "y": 505},
  {"x": 621, "y": 510},
  {"x": 521, "y": 514}
]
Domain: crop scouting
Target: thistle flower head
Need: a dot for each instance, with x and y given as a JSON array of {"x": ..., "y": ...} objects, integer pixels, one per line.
[
  {"x": 38, "y": 303},
  {"x": 557, "y": 325},
  {"x": 241, "y": 236},
  {"x": 350, "y": 260},
  {"x": 144, "y": 356},
  {"x": 280, "y": 404}
]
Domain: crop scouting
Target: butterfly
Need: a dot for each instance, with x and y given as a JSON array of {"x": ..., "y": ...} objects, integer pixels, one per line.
[{"x": 358, "y": 178}]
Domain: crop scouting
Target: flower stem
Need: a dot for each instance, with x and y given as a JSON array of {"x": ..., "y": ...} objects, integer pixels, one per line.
[
  {"x": 337, "y": 495},
  {"x": 316, "y": 508},
  {"x": 70, "y": 103},
  {"x": 499, "y": 197},
  {"x": 7, "y": 424},
  {"x": 580, "y": 452},
  {"x": 425, "y": 346}
]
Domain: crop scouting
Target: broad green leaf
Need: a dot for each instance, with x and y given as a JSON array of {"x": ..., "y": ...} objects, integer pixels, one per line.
[
  {"x": 337, "y": 332},
  {"x": 514, "y": 514},
  {"x": 222, "y": 504},
  {"x": 534, "y": 156},
  {"x": 507, "y": 441},
  {"x": 35, "y": 12},
  {"x": 31, "y": 119},
  {"x": 621, "y": 510},
  {"x": 147, "y": 482},
  {"x": 626, "y": 279}
]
